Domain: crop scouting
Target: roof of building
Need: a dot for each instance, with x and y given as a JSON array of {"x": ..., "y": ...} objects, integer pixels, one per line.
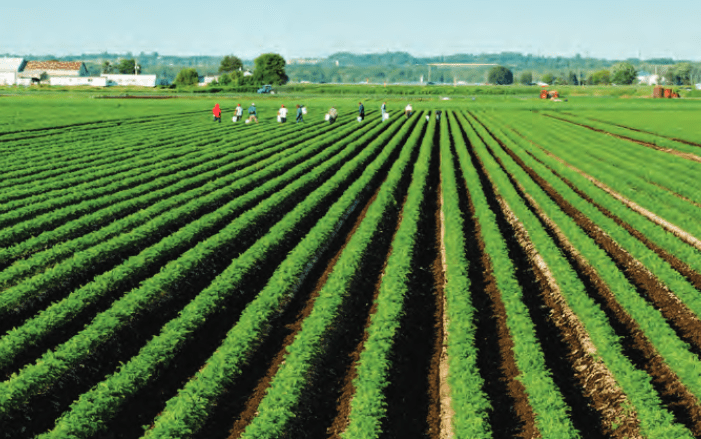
[
  {"x": 53, "y": 65},
  {"x": 10, "y": 64}
]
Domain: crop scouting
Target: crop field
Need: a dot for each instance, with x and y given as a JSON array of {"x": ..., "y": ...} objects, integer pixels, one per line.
[{"x": 514, "y": 269}]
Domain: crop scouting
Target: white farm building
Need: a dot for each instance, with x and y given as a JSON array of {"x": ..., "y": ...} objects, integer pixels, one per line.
[
  {"x": 10, "y": 69},
  {"x": 139, "y": 80}
]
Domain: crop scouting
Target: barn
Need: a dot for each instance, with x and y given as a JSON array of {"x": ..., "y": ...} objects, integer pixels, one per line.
[
  {"x": 34, "y": 69},
  {"x": 9, "y": 70}
]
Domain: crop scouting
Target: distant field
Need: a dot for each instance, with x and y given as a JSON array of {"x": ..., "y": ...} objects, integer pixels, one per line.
[{"x": 518, "y": 268}]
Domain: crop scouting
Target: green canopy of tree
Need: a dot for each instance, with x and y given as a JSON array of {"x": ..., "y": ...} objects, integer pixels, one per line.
[
  {"x": 623, "y": 73},
  {"x": 187, "y": 77},
  {"x": 548, "y": 78},
  {"x": 107, "y": 67},
  {"x": 500, "y": 75},
  {"x": 600, "y": 77},
  {"x": 126, "y": 66},
  {"x": 679, "y": 74},
  {"x": 270, "y": 69},
  {"x": 526, "y": 78},
  {"x": 230, "y": 63}
]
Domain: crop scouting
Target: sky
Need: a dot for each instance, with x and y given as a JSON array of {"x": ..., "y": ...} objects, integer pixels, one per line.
[{"x": 614, "y": 29}]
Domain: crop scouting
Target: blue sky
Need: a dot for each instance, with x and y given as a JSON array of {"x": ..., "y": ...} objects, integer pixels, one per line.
[{"x": 616, "y": 29}]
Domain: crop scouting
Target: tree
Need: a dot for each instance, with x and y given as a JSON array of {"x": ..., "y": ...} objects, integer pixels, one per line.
[
  {"x": 43, "y": 77},
  {"x": 126, "y": 66},
  {"x": 548, "y": 78},
  {"x": 623, "y": 73},
  {"x": 526, "y": 78},
  {"x": 600, "y": 77},
  {"x": 270, "y": 69},
  {"x": 230, "y": 63},
  {"x": 107, "y": 67},
  {"x": 573, "y": 79},
  {"x": 679, "y": 74},
  {"x": 187, "y": 77},
  {"x": 500, "y": 75}
]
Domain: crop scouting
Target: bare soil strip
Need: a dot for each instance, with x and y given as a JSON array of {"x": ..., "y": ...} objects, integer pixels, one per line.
[
  {"x": 446, "y": 409},
  {"x": 684, "y": 155},
  {"x": 683, "y": 403},
  {"x": 595, "y": 378}
]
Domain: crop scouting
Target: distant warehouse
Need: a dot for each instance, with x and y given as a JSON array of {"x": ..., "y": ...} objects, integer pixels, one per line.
[{"x": 139, "y": 80}]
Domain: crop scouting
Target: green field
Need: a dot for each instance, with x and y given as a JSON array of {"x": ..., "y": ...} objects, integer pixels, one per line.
[{"x": 518, "y": 268}]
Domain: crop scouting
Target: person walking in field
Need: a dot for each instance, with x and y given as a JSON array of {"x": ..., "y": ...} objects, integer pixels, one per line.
[
  {"x": 252, "y": 113},
  {"x": 408, "y": 110},
  {"x": 282, "y": 114},
  {"x": 332, "y": 115},
  {"x": 383, "y": 109},
  {"x": 238, "y": 113},
  {"x": 300, "y": 114},
  {"x": 361, "y": 112},
  {"x": 438, "y": 114},
  {"x": 217, "y": 113}
]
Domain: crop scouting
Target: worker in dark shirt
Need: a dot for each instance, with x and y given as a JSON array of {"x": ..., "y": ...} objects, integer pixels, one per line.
[{"x": 361, "y": 111}]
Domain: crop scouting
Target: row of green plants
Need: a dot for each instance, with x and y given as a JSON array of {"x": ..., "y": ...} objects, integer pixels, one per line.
[
  {"x": 94, "y": 408},
  {"x": 187, "y": 411},
  {"x": 60, "y": 210},
  {"x": 53, "y": 364},
  {"x": 368, "y": 404},
  {"x": 674, "y": 351},
  {"x": 641, "y": 398},
  {"x": 549, "y": 407},
  {"x": 469, "y": 403},
  {"x": 174, "y": 208},
  {"x": 618, "y": 164},
  {"x": 642, "y": 136},
  {"x": 34, "y": 158},
  {"x": 77, "y": 200},
  {"x": 248, "y": 184},
  {"x": 646, "y": 256}
]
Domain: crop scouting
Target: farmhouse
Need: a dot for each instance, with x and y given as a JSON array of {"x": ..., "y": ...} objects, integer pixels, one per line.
[
  {"x": 34, "y": 69},
  {"x": 140, "y": 80},
  {"x": 9, "y": 70}
]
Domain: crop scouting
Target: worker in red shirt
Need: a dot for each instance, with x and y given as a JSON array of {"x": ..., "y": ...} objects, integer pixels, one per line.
[{"x": 217, "y": 113}]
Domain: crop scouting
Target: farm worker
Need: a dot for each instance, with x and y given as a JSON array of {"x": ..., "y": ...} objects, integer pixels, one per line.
[
  {"x": 300, "y": 114},
  {"x": 238, "y": 113},
  {"x": 408, "y": 110},
  {"x": 383, "y": 109},
  {"x": 217, "y": 113},
  {"x": 252, "y": 114},
  {"x": 282, "y": 114},
  {"x": 438, "y": 114},
  {"x": 361, "y": 111},
  {"x": 332, "y": 115}
]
